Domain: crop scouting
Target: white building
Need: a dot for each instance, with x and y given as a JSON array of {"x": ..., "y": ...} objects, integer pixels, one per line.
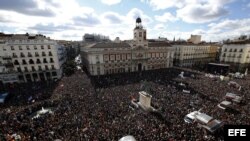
[
  {"x": 237, "y": 54},
  {"x": 195, "y": 39},
  {"x": 29, "y": 58},
  {"x": 134, "y": 55},
  {"x": 189, "y": 54}
]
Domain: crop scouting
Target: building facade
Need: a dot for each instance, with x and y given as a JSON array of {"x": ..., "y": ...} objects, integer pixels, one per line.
[
  {"x": 134, "y": 55},
  {"x": 28, "y": 58},
  {"x": 237, "y": 54},
  {"x": 190, "y": 54}
]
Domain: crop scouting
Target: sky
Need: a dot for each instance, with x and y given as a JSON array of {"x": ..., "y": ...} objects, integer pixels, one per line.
[{"x": 215, "y": 20}]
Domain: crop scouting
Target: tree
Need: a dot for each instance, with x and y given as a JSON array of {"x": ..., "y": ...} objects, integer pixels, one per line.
[{"x": 69, "y": 67}]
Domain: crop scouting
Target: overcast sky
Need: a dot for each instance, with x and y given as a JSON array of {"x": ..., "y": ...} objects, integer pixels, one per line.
[{"x": 71, "y": 19}]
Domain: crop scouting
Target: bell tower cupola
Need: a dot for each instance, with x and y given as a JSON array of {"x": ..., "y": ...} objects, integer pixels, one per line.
[{"x": 140, "y": 34}]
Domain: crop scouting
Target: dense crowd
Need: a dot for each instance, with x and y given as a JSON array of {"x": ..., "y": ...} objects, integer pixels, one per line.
[{"x": 99, "y": 108}]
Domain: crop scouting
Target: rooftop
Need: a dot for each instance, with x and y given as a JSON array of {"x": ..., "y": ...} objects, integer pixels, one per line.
[
  {"x": 159, "y": 44},
  {"x": 111, "y": 45},
  {"x": 238, "y": 42},
  {"x": 21, "y": 36}
]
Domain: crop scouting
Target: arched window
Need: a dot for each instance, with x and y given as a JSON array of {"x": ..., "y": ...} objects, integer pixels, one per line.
[
  {"x": 31, "y": 61},
  {"x": 24, "y": 62},
  {"x": 16, "y": 62},
  {"x": 44, "y": 60},
  {"x": 38, "y": 61}
]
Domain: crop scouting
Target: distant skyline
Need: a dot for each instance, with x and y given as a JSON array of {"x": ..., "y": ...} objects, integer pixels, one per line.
[{"x": 71, "y": 19}]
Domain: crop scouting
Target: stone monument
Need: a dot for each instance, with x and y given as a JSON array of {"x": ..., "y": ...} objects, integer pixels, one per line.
[{"x": 145, "y": 100}]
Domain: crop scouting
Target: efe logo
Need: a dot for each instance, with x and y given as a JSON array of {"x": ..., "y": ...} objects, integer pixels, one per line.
[{"x": 236, "y": 132}]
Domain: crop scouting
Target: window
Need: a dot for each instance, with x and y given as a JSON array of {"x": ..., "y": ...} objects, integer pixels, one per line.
[
  {"x": 26, "y": 69},
  {"x": 16, "y": 62},
  {"x": 12, "y": 48},
  {"x": 22, "y": 55},
  {"x": 19, "y": 69},
  {"x": 31, "y": 61},
  {"x": 241, "y": 50},
  {"x": 36, "y": 54},
  {"x": 33, "y": 68},
  {"x": 97, "y": 58},
  {"x": 46, "y": 67},
  {"x": 43, "y": 54},
  {"x": 42, "y": 47},
  {"x": 14, "y": 55},
  {"x": 50, "y": 54},
  {"x": 39, "y": 68},
  {"x": 24, "y": 62},
  {"x": 54, "y": 73},
  {"x": 38, "y": 61},
  {"x": 35, "y": 48},
  {"x": 48, "y": 46},
  {"x": 53, "y": 67},
  {"x": 29, "y": 54},
  {"x": 20, "y": 48},
  {"x": 51, "y": 60},
  {"x": 140, "y": 34},
  {"x": 27, "y": 47},
  {"x": 44, "y": 60}
]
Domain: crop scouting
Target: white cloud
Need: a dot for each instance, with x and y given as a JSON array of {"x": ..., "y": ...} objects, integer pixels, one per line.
[
  {"x": 164, "y": 4},
  {"x": 226, "y": 29},
  {"x": 166, "y": 17},
  {"x": 159, "y": 27},
  {"x": 193, "y": 11},
  {"x": 135, "y": 13},
  {"x": 248, "y": 5},
  {"x": 72, "y": 19},
  {"x": 112, "y": 18},
  {"x": 111, "y": 2},
  {"x": 201, "y": 13}
]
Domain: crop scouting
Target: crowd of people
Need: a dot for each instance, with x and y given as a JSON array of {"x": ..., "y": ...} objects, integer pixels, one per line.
[{"x": 99, "y": 108}]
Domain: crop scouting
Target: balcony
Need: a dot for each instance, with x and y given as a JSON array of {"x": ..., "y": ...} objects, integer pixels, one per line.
[
  {"x": 6, "y": 58},
  {"x": 29, "y": 55},
  {"x": 14, "y": 56},
  {"x": 9, "y": 65},
  {"x": 43, "y": 54},
  {"x": 24, "y": 63}
]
